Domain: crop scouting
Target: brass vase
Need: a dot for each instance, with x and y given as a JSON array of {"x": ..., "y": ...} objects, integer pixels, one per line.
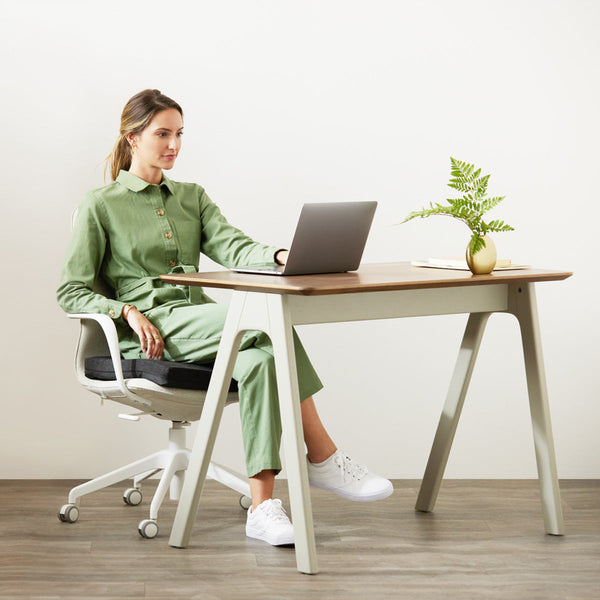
[{"x": 484, "y": 261}]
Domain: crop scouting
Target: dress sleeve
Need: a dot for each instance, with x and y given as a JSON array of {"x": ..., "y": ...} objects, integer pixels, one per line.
[
  {"x": 84, "y": 256},
  {"x": 226, "y": 244}
]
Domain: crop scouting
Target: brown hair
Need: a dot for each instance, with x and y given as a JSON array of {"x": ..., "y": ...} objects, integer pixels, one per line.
[{"x": 136, "y": 116}]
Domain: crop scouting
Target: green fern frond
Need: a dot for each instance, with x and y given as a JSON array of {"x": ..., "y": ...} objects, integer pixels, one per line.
[
  {"x": 477, "y": 243},
  {"x": 469, "y": 209},
  {"x": 434, "y": 209},
  {"x": 460, "y": 185},
  {"x": 499, "y": 226},
  {"x": 480, "y": 185},
  {"x": 490, "y": 203},
  {"x": 461, "y": 170}
]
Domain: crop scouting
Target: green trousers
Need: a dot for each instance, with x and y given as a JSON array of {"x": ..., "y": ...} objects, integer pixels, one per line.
[{"x": 192, "y": 333}]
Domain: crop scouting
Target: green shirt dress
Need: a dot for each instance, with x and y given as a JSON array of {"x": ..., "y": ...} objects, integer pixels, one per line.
[{"x": 127, "y": 234}]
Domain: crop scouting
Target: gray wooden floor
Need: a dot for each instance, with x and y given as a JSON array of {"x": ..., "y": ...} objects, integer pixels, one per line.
[{"x": 484, "y": 540}]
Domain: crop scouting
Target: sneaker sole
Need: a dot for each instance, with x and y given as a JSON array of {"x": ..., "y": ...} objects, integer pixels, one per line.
[
  {"x": 355, "y": 497},
  {"x": 274, "y": 541}
]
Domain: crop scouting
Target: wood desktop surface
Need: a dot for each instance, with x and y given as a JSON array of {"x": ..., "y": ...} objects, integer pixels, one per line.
[{"x": 369, "y": 278}]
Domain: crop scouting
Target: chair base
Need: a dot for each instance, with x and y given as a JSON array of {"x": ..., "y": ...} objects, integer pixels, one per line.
[{"x": 173, "y": 463}]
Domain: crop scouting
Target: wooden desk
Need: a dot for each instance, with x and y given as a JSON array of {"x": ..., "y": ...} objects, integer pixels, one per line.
[{"x": 275, "y": 304}]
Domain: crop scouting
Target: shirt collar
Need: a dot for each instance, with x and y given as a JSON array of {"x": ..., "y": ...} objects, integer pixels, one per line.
[
  {"x": 166, "y": 182},
  {"x": 135, "y": 184}
]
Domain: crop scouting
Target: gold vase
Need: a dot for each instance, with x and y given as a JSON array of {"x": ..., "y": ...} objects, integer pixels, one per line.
[{"x": 484, "y": 261}]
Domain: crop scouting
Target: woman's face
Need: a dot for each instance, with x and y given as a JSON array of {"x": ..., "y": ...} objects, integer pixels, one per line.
[{"x": 157, "y": 146}]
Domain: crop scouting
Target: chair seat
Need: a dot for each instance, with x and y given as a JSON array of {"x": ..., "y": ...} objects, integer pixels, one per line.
[{"x": 188, "y": 376}]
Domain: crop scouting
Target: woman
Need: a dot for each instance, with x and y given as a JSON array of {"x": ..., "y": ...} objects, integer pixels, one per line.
[{"x": 143, "y": 224}]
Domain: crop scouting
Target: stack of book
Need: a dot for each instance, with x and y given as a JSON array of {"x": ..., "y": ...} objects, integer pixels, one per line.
[{"x": 502, "y": 264}]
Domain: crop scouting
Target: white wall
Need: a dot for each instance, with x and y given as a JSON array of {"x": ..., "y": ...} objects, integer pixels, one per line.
[{"x": 294, "y": 101}]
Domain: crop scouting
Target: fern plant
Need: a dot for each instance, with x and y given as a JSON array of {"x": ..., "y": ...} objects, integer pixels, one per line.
[{"x": 471, "y": 207}]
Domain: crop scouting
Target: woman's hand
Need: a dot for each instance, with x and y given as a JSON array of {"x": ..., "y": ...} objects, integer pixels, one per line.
[
  {"x": 281, "y": 257},
  {"x": 150, "y": 339}
]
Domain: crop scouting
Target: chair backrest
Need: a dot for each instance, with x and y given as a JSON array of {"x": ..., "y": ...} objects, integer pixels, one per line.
[{"x": 91, "y": 342}]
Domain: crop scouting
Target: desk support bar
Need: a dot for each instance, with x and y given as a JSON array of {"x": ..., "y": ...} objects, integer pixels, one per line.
[
  {"x": 522, "y": 304},
  {"x": 444, "y": 436}
]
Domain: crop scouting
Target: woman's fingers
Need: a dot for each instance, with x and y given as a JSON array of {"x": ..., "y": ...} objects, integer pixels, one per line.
[
  {"x": 151, "y": 341},
  {"x": 149, "y": 346},
  {"x": 154, "y": 343},
  {"x": 157, "y": 348}
]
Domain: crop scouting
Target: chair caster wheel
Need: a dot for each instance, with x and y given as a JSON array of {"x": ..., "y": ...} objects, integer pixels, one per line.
[
  {"x": 132, "y": 496},
  {"x": 148, "y": 528},
  {"x": 68, "y": 513},
  {"x": 245, "y": 502}
]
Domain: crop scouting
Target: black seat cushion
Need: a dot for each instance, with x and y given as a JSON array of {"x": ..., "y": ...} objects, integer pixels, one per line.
[{"x": 188, "y": 376}]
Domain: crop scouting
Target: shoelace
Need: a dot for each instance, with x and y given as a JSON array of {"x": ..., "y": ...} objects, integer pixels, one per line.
[
  {"x": 349, "y": 467},
  {"x": 275, "y": 511}
]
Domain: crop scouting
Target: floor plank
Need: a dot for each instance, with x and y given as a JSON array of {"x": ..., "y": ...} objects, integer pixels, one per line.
[{"x": 484, "y": 540}]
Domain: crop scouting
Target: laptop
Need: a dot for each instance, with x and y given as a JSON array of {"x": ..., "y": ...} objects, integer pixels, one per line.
[{"x": 330, "y": 238}]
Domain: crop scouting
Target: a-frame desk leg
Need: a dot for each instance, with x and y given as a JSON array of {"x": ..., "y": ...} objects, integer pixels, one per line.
[
  {"x": 208, "y": 426},
  {"x": 522, "y": 303},
  {"x": 281, "y": 334},
  {"x": 268, "y": 313},
  {"x": 438, "y": 457}
]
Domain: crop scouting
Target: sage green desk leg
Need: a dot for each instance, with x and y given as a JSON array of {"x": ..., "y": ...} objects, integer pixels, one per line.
[
  {"x": 293, "y": 436},
  {"x": 208, "y": 427},
  {"x": 444, "y": 436},
  {"x": 522, "y": 303}
]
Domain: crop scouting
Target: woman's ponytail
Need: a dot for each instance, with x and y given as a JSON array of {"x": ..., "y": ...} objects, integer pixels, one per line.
[{"x": 119, "y": 159}]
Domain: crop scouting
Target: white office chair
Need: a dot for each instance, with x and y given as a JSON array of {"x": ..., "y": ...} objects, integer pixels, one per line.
[{"x": 98, "y": 338}]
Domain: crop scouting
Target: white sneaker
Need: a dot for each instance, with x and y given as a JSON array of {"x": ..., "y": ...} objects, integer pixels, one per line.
[
  {"x": 269, "y": 523},
  {"x": 341, "y": 475}
]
